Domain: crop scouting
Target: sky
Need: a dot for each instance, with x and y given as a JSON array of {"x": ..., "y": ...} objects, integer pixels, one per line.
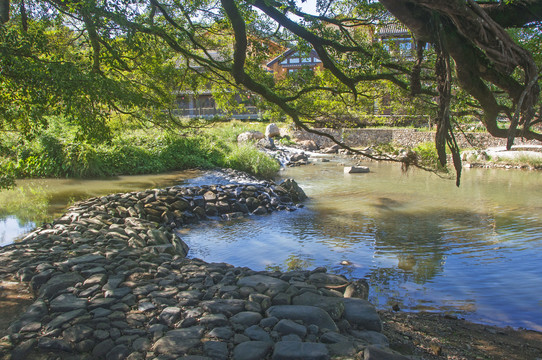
[{"x": 309, "y": 6}]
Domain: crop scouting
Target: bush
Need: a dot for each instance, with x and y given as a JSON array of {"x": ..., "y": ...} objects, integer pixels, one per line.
[
  {"x": 427, "y": 154},
  {"x": 7, "y": 177},
  {"x": 251, "y": 160},
  {"x": 136, "y": 152}
]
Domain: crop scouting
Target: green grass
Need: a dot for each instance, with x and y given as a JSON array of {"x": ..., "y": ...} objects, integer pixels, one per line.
[
  {"x": 427, "y": 153},
  {"x": 249, "y": 159},
  {"x": 57, "y": 153},
  {"x": 521, "y": 160}
]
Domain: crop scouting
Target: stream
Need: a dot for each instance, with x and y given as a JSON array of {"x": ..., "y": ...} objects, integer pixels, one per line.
[{"x": 421, "y": 243}]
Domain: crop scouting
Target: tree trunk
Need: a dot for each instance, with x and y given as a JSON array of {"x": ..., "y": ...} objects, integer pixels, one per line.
[{"x": 4, "y": 11}]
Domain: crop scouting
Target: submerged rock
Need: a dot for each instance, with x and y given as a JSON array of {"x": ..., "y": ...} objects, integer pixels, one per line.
[{"x": 356, "y": 169}]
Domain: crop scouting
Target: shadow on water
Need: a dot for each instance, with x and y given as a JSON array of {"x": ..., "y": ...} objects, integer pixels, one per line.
[{"x": 437, "y": 259}]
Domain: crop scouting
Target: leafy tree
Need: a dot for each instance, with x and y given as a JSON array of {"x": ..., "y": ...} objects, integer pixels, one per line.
[{"x": 87, "y": 59}]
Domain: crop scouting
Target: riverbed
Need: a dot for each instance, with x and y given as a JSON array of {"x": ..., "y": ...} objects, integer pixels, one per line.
[{"x": 420, "y": 242}]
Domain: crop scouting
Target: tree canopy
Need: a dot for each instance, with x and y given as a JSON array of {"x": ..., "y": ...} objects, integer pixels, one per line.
[{"x": 87, "y": 59}]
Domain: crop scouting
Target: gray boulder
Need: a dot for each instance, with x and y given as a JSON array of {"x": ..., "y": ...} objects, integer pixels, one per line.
[
  {"x": 246, "y": 318},
  {"x": 249, "y": 136},
  {"x": 252, "y": 350},
  {"x": 257, "y": 333},
  {"x": 263, "y": 280},
  {"x": 59, "y": 282},
  {"x": 290, "y": 350},
  {"x": 178, "y": 342},
  {"x": 332, "y": 305},
  {"x": 356, "y": 169},
  {"x": 228, "y": 307},
  {"x": 321, "y": 279},
  {"x": 287, "y": 327},
  {"x": 272, "y": 130},
  {"x": 294, "y": 190},
  {"x": 362, "y": 314},
  {"x": 307, "y": 314}
]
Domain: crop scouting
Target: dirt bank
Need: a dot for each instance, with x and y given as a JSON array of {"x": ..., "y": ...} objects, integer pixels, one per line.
[{"x": 435, "y": 336}]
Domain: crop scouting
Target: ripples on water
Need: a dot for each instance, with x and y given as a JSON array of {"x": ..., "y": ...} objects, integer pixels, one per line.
[{"x": 421, "y": 242}]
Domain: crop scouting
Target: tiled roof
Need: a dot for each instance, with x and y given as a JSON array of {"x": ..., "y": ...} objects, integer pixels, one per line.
[
  {"x": 393, "y": 30},
  {"x": 281, "y": 56}
]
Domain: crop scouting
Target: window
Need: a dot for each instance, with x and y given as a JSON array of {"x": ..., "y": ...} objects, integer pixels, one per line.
[
  {"x": 306, "y": 60},
  {"x": 405, "y": 48},
  {"x": 294, "y": 60}
]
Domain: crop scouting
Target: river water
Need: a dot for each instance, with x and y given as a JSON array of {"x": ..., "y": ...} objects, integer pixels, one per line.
[
  {"x": 41, "y": 200},
  {"x": 421, "y": 243}
]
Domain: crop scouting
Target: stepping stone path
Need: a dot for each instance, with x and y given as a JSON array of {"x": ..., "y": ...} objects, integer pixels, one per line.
[{"x": 112, "y": 281}]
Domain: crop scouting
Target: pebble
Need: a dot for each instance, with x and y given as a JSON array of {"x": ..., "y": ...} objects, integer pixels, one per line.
[
  {"x": 290, "y": 350},
  {"x": 252, "y": 350}
]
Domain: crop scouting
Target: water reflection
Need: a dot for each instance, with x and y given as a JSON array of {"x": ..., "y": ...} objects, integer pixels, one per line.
[
  {"x": 421, "y": 243},
  {"x": 11, "y": 227},
  {"x": 41, "y": 200}
]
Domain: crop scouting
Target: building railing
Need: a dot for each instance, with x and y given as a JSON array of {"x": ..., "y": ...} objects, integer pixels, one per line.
[{"x": 250, "y": 112}]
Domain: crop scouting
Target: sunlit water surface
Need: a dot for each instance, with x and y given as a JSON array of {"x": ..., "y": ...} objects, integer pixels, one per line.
[{"x": 421, "y": 242}]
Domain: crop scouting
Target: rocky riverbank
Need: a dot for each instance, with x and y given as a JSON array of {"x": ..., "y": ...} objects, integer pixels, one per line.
[{"x": 111, "y": 280}]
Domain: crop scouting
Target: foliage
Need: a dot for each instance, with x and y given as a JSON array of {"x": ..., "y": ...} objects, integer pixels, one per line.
[
  {"x": 388, "y": 148},
  {"x": 250, "y": 159},
  {"x": 27, "y": 204},
  {"x": 7, "y": 180},
  {"x": 285, "y": 141},
  {"x": 88, "y": 62},
  {"x": 427, "y": 155},
  {"x": 137, "y": 151},
  {"x": 521, "y": 160},
  {"x": 230, "y": 130}
]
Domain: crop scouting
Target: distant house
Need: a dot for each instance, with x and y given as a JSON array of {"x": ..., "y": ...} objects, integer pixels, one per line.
[
  {"x": 397, "y": 40},
  {"x": 394, "y": 37},
  {"x": 202, "y": 104},
  {"x": 292, "y": 61},
  {"x": 399, "y": 43}
]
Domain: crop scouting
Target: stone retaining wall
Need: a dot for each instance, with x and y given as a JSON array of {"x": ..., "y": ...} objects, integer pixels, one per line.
[
  {"x": 112, "y": 282},
  {"x": 402, "y": 138}
]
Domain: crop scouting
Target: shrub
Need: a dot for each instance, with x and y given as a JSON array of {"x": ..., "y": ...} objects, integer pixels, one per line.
[
  {"x": 427, "y": 154},
  {"x": 136, "y": 152},
  {"x": 7, "y": 177},
  {"x": 249, "y": 159}
]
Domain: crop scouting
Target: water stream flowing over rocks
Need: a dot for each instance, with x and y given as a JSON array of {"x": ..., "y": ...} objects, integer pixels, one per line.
[{"x": 112, "y": 281}]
